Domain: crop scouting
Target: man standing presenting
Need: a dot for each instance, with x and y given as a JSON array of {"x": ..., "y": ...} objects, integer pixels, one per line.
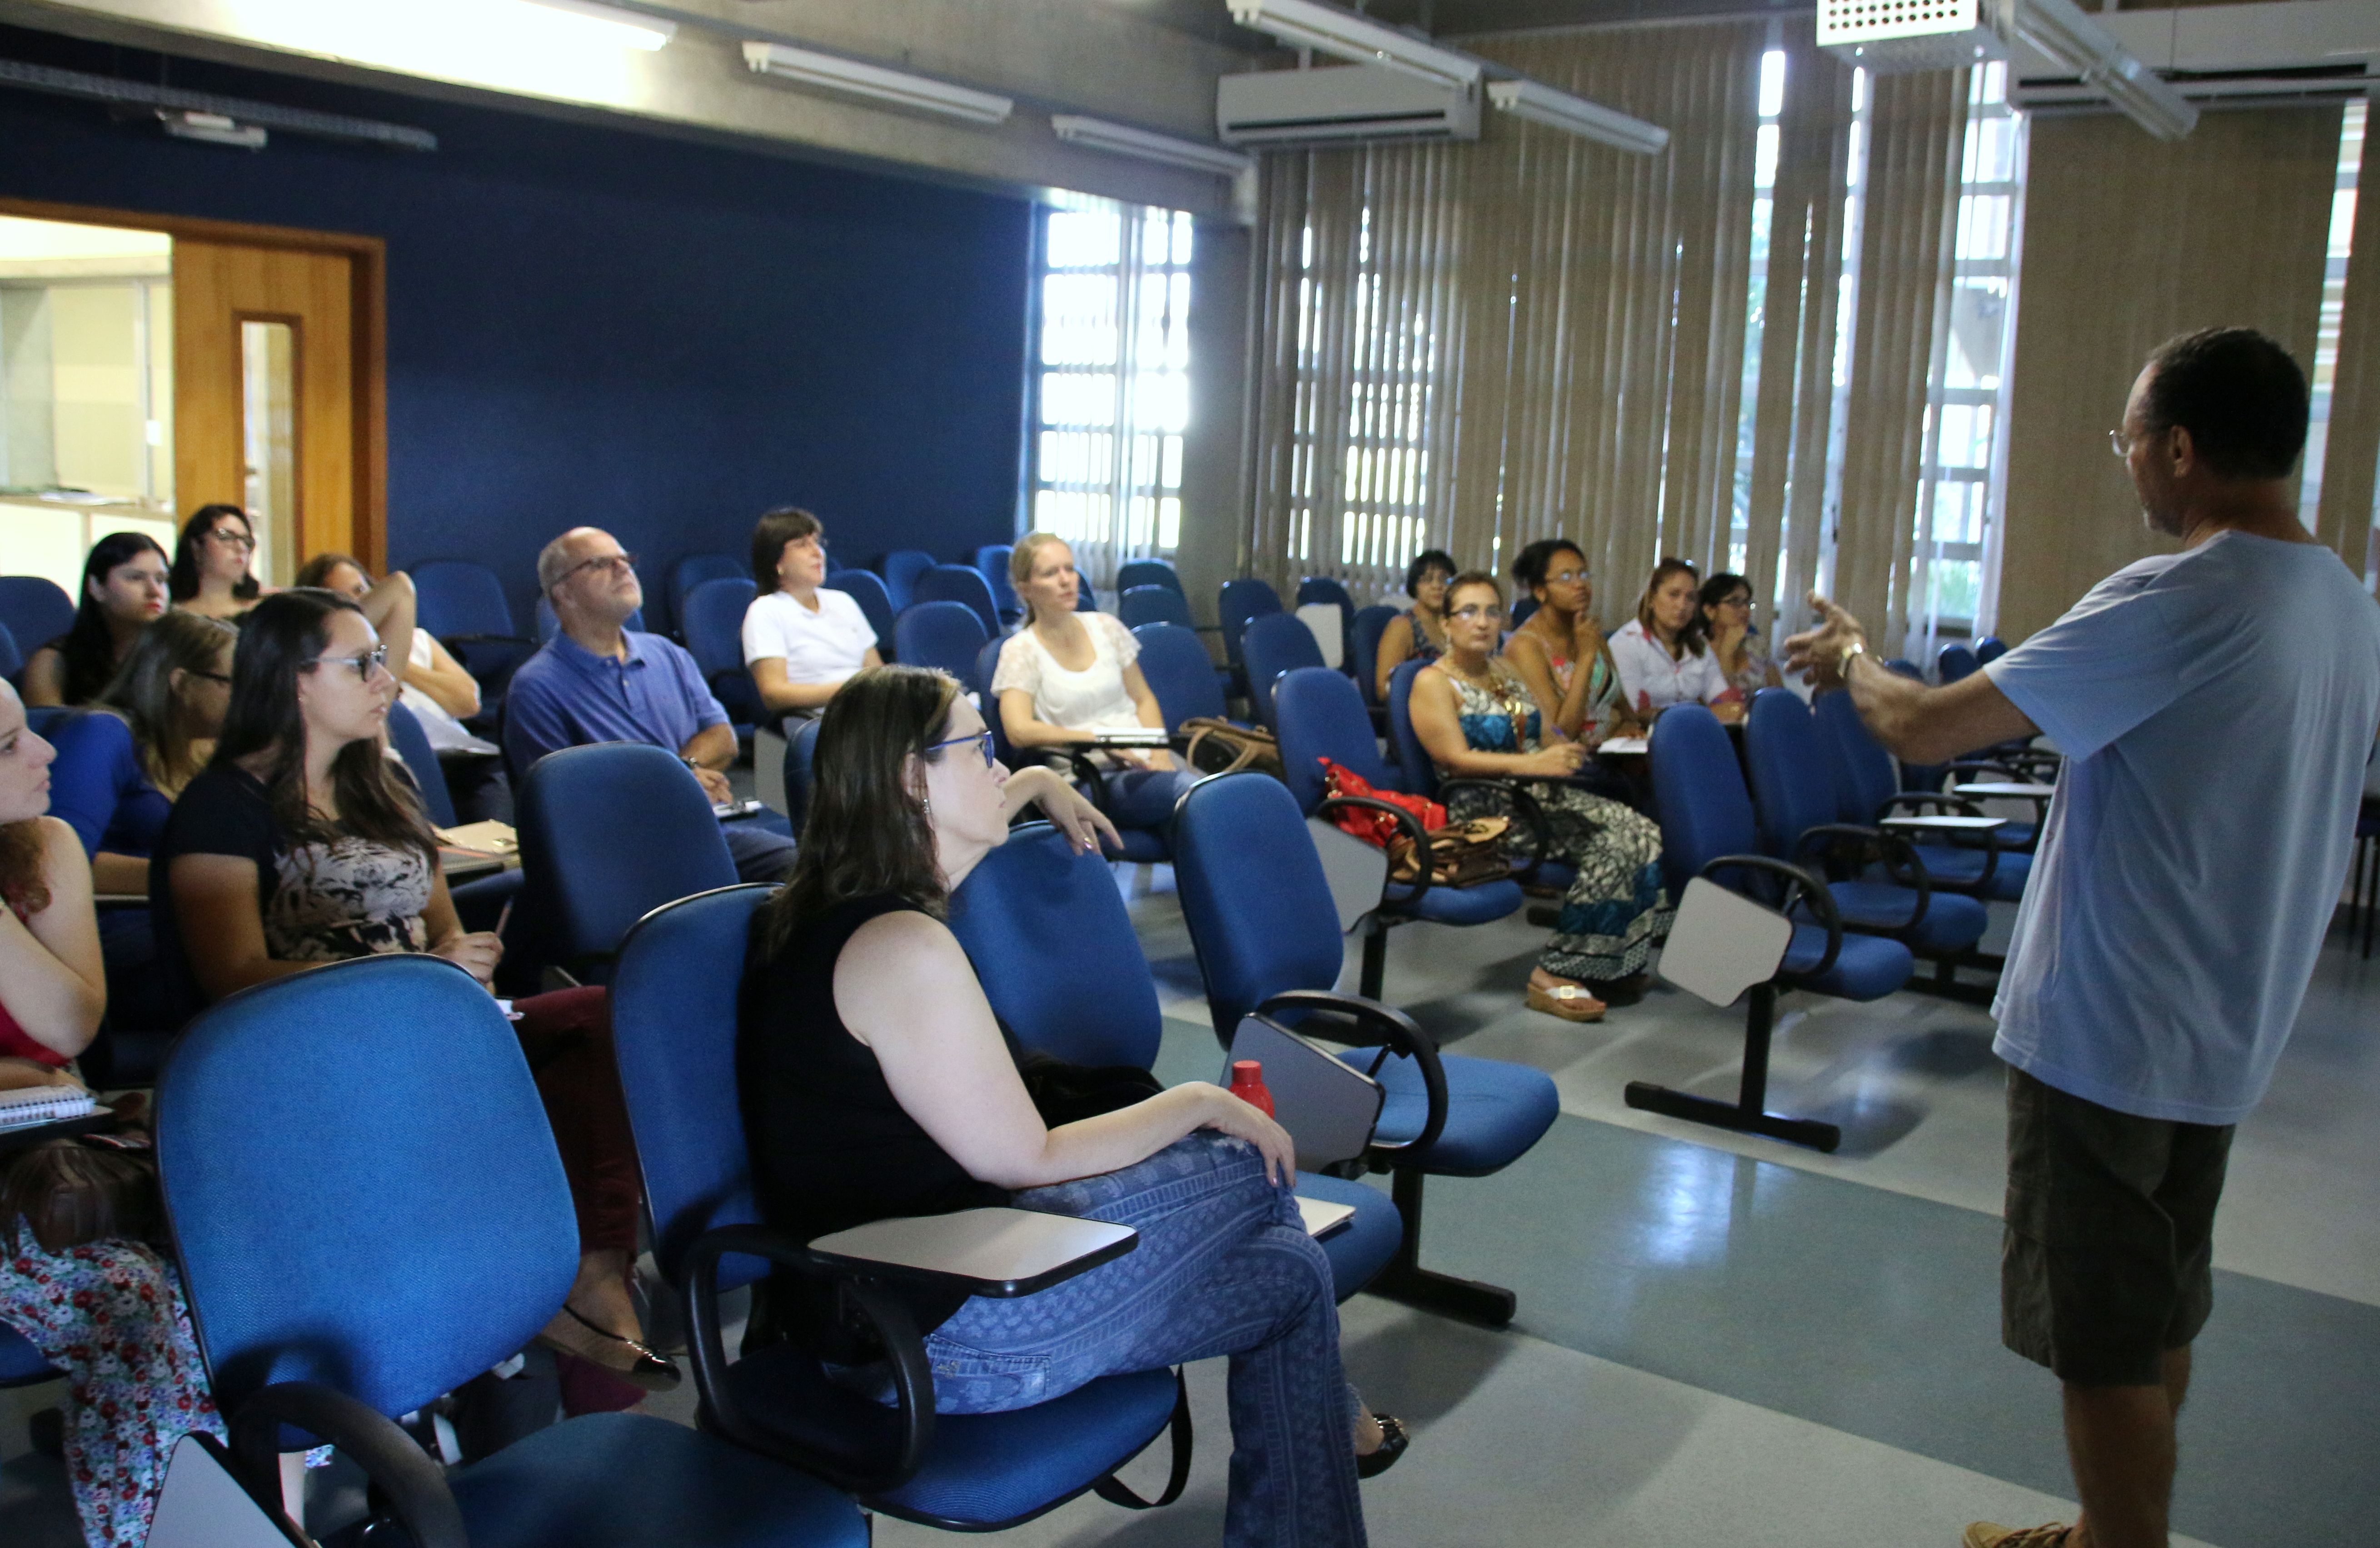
[
  {"x": 598, "y": 681},
  {"x": 2216, "y": 707}
]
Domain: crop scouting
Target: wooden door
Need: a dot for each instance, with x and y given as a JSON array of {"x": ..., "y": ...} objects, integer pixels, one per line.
[{"x": 308, "y": 352}]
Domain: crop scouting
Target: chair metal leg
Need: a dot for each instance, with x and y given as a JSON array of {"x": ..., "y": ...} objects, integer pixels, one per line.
[
  {"x": 1375, "y": 958},
  {"x": 1406, "y": 1281},
  {"x": 1749, "y": 1114},
  {"x": 2371, "y": 891}
]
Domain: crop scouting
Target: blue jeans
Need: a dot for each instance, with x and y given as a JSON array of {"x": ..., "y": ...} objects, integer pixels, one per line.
[
  {"x": 1224, "y": 1267},
  {"x": 1144, "y": 799}
]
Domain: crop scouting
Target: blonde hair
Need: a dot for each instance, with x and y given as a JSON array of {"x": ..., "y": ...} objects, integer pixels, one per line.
[{"x": 1021, "y": 559}]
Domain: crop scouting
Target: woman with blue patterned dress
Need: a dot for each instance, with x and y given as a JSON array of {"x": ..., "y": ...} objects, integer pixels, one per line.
[{"x": 1479, "y": 720}]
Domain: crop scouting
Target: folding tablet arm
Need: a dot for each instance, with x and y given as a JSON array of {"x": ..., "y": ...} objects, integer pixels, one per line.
[
  {"x": 406, "y": 1484},
  {"x": 930, "y": 1253},
  {"x": 1330, "y": 1017}
]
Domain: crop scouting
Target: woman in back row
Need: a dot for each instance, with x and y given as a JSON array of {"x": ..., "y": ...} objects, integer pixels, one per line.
[
  {"x": 123, "y": 593},
  {"x": 1478, "y": 718}
]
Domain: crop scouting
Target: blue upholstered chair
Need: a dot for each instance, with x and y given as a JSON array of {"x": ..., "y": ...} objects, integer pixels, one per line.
[
  {"x": 21, "y": 1365},
  {"x": 712, "y": 619},
  {"x": 480, "y": 901},
  {"x": 939, "y": 634},
  {"x": 1322, "y": 716},
  {"x": 1868, "y": 791},
  {"x": 1188, "y": 683},
  {"x": 960, "y": 583},
  {"x": 35, "y": 609},
  {"x": 608, "y": 833},
  {"x": 692, "y": 570},
  {"x": 674, "y": 1018},
  {"x": 1364, "y": 645},
  {"x": 1321, "y": 588},
  {"x": 12, "y": 658},
  {"x": 1237, "y": 603},
  {"x": 1149, "y": 572},
  {"x": 991, "y": 559},
  {"x": 1153, "y": 604},
  {"x": 456, "y": 598},
  {"x": 1880, "y": 886},
  {"x": 1708, "y": 830},
  {"x": 1266, "y": 930},
  {"x": 1053, "y": 943},
  {"x": 801, "y": 749},
  {"x": 1954, "y": 663},
  {"x": 357, "y": 1258},
  {"x": 1275, "y": 643},
  {"x": 900, "y": 570},
  {"x": 1989, "y": 649},
  {"x": 867, "y": 588},
  {"x": 462, "y": 603}
]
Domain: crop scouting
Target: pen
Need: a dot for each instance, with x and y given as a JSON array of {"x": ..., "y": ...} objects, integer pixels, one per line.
[{"x": 504, "y": 919}]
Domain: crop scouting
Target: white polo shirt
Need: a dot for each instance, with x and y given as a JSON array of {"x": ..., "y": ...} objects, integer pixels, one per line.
[
  {"x": 822, "y": 647},
  {"x": 1652, "y": 680}
]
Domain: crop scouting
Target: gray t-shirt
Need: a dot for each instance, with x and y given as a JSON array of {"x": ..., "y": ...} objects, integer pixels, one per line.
[{"x": 2217, "y": 708}]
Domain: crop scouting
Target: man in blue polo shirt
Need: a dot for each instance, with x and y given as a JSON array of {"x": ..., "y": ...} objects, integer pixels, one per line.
[
  {"x": 2216, "y": 707},
  {"x": 598, "y": 681}
]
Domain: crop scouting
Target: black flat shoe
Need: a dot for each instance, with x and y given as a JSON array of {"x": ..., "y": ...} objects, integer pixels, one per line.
[
  {"x": 623, "y": 1358},
  {"x": 1394, "y": 1438}
]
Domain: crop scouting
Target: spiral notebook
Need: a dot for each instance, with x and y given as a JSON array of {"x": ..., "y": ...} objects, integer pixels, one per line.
[{"x": 30, "y": 1106}]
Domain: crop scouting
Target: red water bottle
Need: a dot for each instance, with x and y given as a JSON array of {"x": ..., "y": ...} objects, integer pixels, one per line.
[{"x": 1248, "y": 1084}]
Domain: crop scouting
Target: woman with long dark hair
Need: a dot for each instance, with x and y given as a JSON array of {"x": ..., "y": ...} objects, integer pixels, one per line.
[
  {"x": 876, "y": 1082},
  {"x": 299, "y": 845},
  {"x": 210, "y": 571},
  {"x": 107, "y": 1311},
  {"x": 1662, "y": 656},
  {"x": 123, "y": 591}
]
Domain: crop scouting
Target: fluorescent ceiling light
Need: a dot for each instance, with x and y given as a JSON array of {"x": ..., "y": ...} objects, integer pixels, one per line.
[
  {"x": 2061, "y": 33},
  {"x": 1347, "y": 36},
  {"x": 1542, "y": 105},
  {"x": 624, "y": 28},
  {"x": 1122, "y": 139},
  {"x": 898, "y": 87}
]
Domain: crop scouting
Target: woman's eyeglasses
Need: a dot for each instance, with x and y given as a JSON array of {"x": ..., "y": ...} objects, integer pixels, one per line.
[
  {"x": 982, "y": 740},
  {"x": 214, "y": 676},
  {"x": 1476, "y": 612},
  {"x": 366, "y": 664},
  {"x": 230, "y": 539}
]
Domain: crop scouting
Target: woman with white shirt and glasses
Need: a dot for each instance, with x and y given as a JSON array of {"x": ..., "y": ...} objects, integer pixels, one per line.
[
  {"x": 801, "y": 640},
  {"x": 1066, "y": 675},
  {"x": 1662, "y": 657}
]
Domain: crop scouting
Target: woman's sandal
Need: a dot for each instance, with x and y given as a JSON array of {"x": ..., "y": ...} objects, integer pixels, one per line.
[
  {"x": 1394, "y": 1438},
  {"x": 1568, "y": 1001},
  {"x": 642, "y": 1368}
]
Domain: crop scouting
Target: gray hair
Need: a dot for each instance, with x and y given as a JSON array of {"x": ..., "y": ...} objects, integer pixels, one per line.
[{"x": 553, "y": 560}]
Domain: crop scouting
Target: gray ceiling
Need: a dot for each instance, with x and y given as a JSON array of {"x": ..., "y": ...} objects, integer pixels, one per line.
[{"x": 1210, "y": 19}]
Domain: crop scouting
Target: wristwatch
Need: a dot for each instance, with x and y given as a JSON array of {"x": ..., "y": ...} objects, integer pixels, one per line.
[
  {"x": 1843, "y": 663},
  {"x": 689, "y": 763}
]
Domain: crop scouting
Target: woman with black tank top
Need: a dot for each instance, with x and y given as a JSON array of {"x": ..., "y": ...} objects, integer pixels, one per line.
[{"x": 876, "y": 1082}]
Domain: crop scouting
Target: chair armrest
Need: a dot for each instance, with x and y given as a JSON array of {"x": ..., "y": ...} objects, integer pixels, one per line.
[
  {"x": 998, "y": 1252},
  {"x": 1530, "y": 811},
  {"x": 884, "y": 1313},
  {"x": 406, "y": 1482},
  {"x": 1899, "y": 858},
  {"x": 1413, "y": 830},
  {"x": 1389, "y": 1028},
  {"x": 1945, "y": 823},
  {"x": 1925, "y": 800},
  {"x": 1800, "y": 885}
]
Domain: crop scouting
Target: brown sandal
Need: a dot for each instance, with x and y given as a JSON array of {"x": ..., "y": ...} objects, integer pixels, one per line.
[{"x": 1568, "y": 1001}]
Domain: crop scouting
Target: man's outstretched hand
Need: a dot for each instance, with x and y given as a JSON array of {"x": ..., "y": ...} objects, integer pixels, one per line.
[{"x": 1820, "y": 652}]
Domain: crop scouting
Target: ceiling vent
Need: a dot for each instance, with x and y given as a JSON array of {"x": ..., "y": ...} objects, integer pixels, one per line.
[{"x": 1340, "y": 103}]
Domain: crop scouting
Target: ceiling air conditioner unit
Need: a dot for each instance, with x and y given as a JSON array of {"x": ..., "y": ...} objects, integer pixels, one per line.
[
  {"x": 1339, "y": 105},
  {"x": 1890, "y": 36}
]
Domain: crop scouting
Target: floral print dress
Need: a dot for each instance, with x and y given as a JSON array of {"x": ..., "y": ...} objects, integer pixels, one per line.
[
  {"x": 111, "y": 1315},
  {"x": 1617, "y": 909}
]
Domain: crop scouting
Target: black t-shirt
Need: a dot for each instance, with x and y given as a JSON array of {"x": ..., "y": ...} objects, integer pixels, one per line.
[
  {"x": 320, "y": 902},
  {"x": 830, "y": 1145}
]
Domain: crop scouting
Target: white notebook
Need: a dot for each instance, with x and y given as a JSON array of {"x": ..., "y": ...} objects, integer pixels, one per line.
[{"x": 44, "y": 1104}]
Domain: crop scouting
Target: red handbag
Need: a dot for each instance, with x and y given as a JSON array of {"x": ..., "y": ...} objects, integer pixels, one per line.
[{"x": 1375, "y": 828}]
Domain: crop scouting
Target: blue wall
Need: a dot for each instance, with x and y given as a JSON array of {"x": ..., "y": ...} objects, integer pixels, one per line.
[{"x": 587, "y": 324}]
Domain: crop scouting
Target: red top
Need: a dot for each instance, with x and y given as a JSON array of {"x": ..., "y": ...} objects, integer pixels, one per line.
[{"x": 17, "y": 1043}]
